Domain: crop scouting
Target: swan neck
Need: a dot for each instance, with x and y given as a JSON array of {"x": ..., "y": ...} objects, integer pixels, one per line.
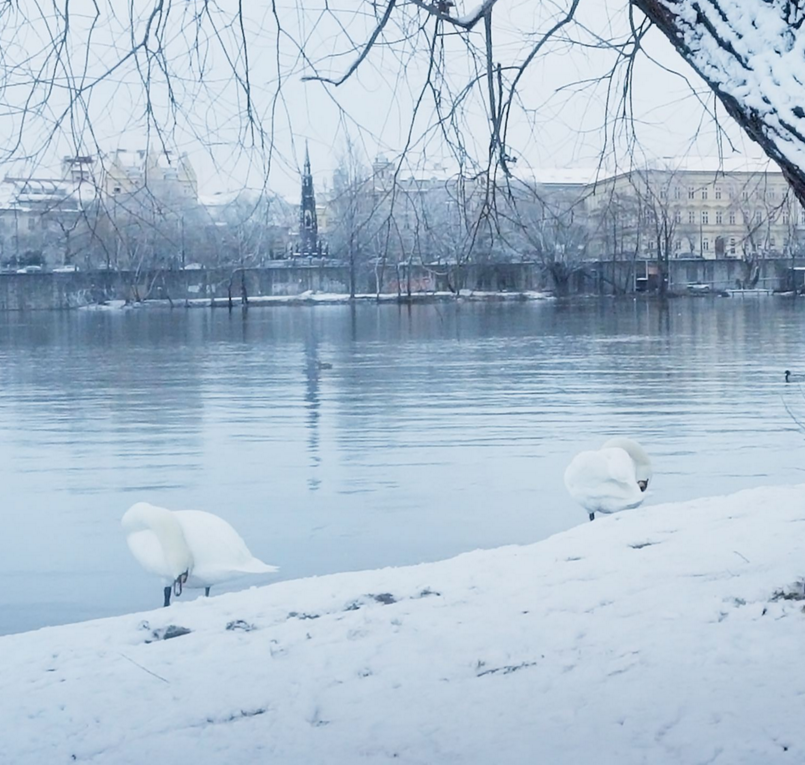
[{"x": 167, "y": 529}]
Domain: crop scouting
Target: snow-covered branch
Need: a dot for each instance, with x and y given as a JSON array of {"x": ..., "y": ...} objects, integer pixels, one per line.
[
  {"x": 750, "y": 52},
  {"x": 441, "y": 9}
]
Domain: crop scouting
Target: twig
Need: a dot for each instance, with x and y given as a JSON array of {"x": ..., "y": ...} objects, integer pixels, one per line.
[{"x": 158, "y": 677}]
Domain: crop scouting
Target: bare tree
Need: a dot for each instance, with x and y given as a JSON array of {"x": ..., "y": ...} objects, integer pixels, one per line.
[
  {"x": 351, "y": 209},
  {"x": 176, "y": 65},
  {"x": 548, "y": 228},
  {"x": 659, "y": 216}
]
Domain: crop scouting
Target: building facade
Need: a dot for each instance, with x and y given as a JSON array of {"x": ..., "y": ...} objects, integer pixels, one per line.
[{"x": 728, "y": 210}]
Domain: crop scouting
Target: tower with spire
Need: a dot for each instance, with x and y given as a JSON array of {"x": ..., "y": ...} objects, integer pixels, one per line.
[{"x": 308, "y": 223}]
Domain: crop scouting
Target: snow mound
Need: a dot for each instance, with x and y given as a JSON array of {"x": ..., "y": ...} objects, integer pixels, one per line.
[{"x": 670, "y": 634}]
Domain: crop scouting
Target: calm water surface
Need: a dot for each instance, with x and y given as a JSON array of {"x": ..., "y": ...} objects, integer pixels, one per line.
[{"x": 438, "y": 429}]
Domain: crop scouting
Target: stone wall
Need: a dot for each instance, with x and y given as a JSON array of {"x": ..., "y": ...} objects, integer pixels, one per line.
[
  {"x": 19, "y": 292},
  {"x": 56, "y": 290},
  {"x": 610, "y": 277}
]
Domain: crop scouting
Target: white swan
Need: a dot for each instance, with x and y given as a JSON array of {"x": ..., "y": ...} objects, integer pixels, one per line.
[
  {"x": 187, "y": 548},
  {"x": 611, "y": 479}
]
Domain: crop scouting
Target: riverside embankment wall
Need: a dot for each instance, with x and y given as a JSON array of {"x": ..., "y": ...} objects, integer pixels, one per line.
[{"x": 36, "y": 291}]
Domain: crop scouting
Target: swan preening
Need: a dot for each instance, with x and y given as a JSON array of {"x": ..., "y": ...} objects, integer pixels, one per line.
[
  {"x": 611, "y": 479},
  {"x": 187, "y": 548}
]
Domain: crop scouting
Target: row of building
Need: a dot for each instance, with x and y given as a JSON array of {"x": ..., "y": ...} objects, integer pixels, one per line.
[
  {"x": 671, "y": 209},
  {"x": 143, "y": 209}
]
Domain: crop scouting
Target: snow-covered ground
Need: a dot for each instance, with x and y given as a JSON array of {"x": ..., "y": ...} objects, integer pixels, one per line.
[
  {"x": 329, "y": 298},
  {"x": 660, "y": 635}
]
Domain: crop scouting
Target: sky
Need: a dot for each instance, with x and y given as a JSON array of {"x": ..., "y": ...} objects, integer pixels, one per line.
[{"x": 186, "y": 85}]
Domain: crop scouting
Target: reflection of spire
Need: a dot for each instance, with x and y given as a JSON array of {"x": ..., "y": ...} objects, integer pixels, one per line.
[{"x": 312, "y": 367}]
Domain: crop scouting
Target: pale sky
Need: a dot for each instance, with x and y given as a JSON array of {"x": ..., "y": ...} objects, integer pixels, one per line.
[{"x": 556, "y": 122}]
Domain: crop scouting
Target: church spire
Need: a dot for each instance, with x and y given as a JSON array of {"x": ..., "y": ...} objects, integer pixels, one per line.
[{"x": 308, "y": 223}]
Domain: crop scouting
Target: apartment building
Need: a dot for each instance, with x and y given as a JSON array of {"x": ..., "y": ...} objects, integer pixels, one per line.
[{"x": 692, "y": 208}]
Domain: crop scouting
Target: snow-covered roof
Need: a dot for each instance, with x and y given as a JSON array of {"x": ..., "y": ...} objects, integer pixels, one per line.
[
  {"x": 732, "y": 164},
  {"x": 559, "y": 176},
  {"x": 136, "y": 159},
  {"x": 40, "y": 193}
]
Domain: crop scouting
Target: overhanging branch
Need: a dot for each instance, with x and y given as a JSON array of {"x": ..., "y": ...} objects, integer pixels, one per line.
[{"x": 363, "y": 54}]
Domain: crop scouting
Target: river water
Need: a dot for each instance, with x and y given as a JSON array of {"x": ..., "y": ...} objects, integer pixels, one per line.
[{"x": 437, "y": 429}]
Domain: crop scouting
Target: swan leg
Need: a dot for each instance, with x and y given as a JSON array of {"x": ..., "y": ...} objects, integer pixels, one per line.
[
  {"x": 592, "y": 516},
  {"x": 167, "y": 596},
  {"x": 207, "y": 592}
]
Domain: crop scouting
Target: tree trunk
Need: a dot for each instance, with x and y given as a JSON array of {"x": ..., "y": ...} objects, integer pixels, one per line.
[
  {"x": 560, "y": 276},
  {"x": 351, "y": 271},
  {"x": 721, "y": 40}
]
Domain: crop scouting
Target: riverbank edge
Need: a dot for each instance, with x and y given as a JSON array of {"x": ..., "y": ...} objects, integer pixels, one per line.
[
  {"x": 325, "y": 298},
  {"x": 421, "y": 298}
]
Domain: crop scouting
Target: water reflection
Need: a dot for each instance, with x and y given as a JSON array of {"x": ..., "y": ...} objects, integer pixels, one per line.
[
  {"x": 436, "y": 429},
  {"x": 313, "y": 368}
]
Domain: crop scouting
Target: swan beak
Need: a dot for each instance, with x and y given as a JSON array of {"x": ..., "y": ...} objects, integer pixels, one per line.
[{"x": 643, "y": 485}]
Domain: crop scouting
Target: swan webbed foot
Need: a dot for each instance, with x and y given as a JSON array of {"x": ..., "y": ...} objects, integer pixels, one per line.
[
  {"x": 592, "y": 516},
  {"x": 167, "y": 596},
  {"x": 206, "y": 592}
]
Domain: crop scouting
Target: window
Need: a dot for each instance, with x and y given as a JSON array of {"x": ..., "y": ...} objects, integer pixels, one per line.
[
  {"x": 691, "y": 216},
  {"x": 704, "y": 193},
  {"x": 651, "y": 245},
  {"x": 31, "y": 224},
  {"x": 771, "y": 242},
  {"x": 663, "y": 193},
  {"x": 677, "y": 245},
  {"x": 705, "y": 244},
  {"x": 705, "y": 217},
  {"x": 732, "y": 246},
  {"x": 770, "y": 194},
  {"x": 732, "y": 217},
  {"x": 677, "y": 192},
  {"x": 691, "y": 192},
  {"x": 786, "y": 217},
  {"x": 677, "y": 216},
  {"x": 758, "y": 216},
  {"x": 719, "y": 217},
  {"x": 745, "y": 195},
  {"x": 718, "y": 192}
]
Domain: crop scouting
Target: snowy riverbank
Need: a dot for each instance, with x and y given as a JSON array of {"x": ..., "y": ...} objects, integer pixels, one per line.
[
  {"x": 656, "y": 636},
  {"x": 328, "y": 298}
]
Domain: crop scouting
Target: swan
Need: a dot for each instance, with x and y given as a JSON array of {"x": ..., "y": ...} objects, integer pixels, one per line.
[
  {"x": 790, "y": 377},
  {"x": 187, "y": 548},
  {"x": 610, "y": 479}
]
